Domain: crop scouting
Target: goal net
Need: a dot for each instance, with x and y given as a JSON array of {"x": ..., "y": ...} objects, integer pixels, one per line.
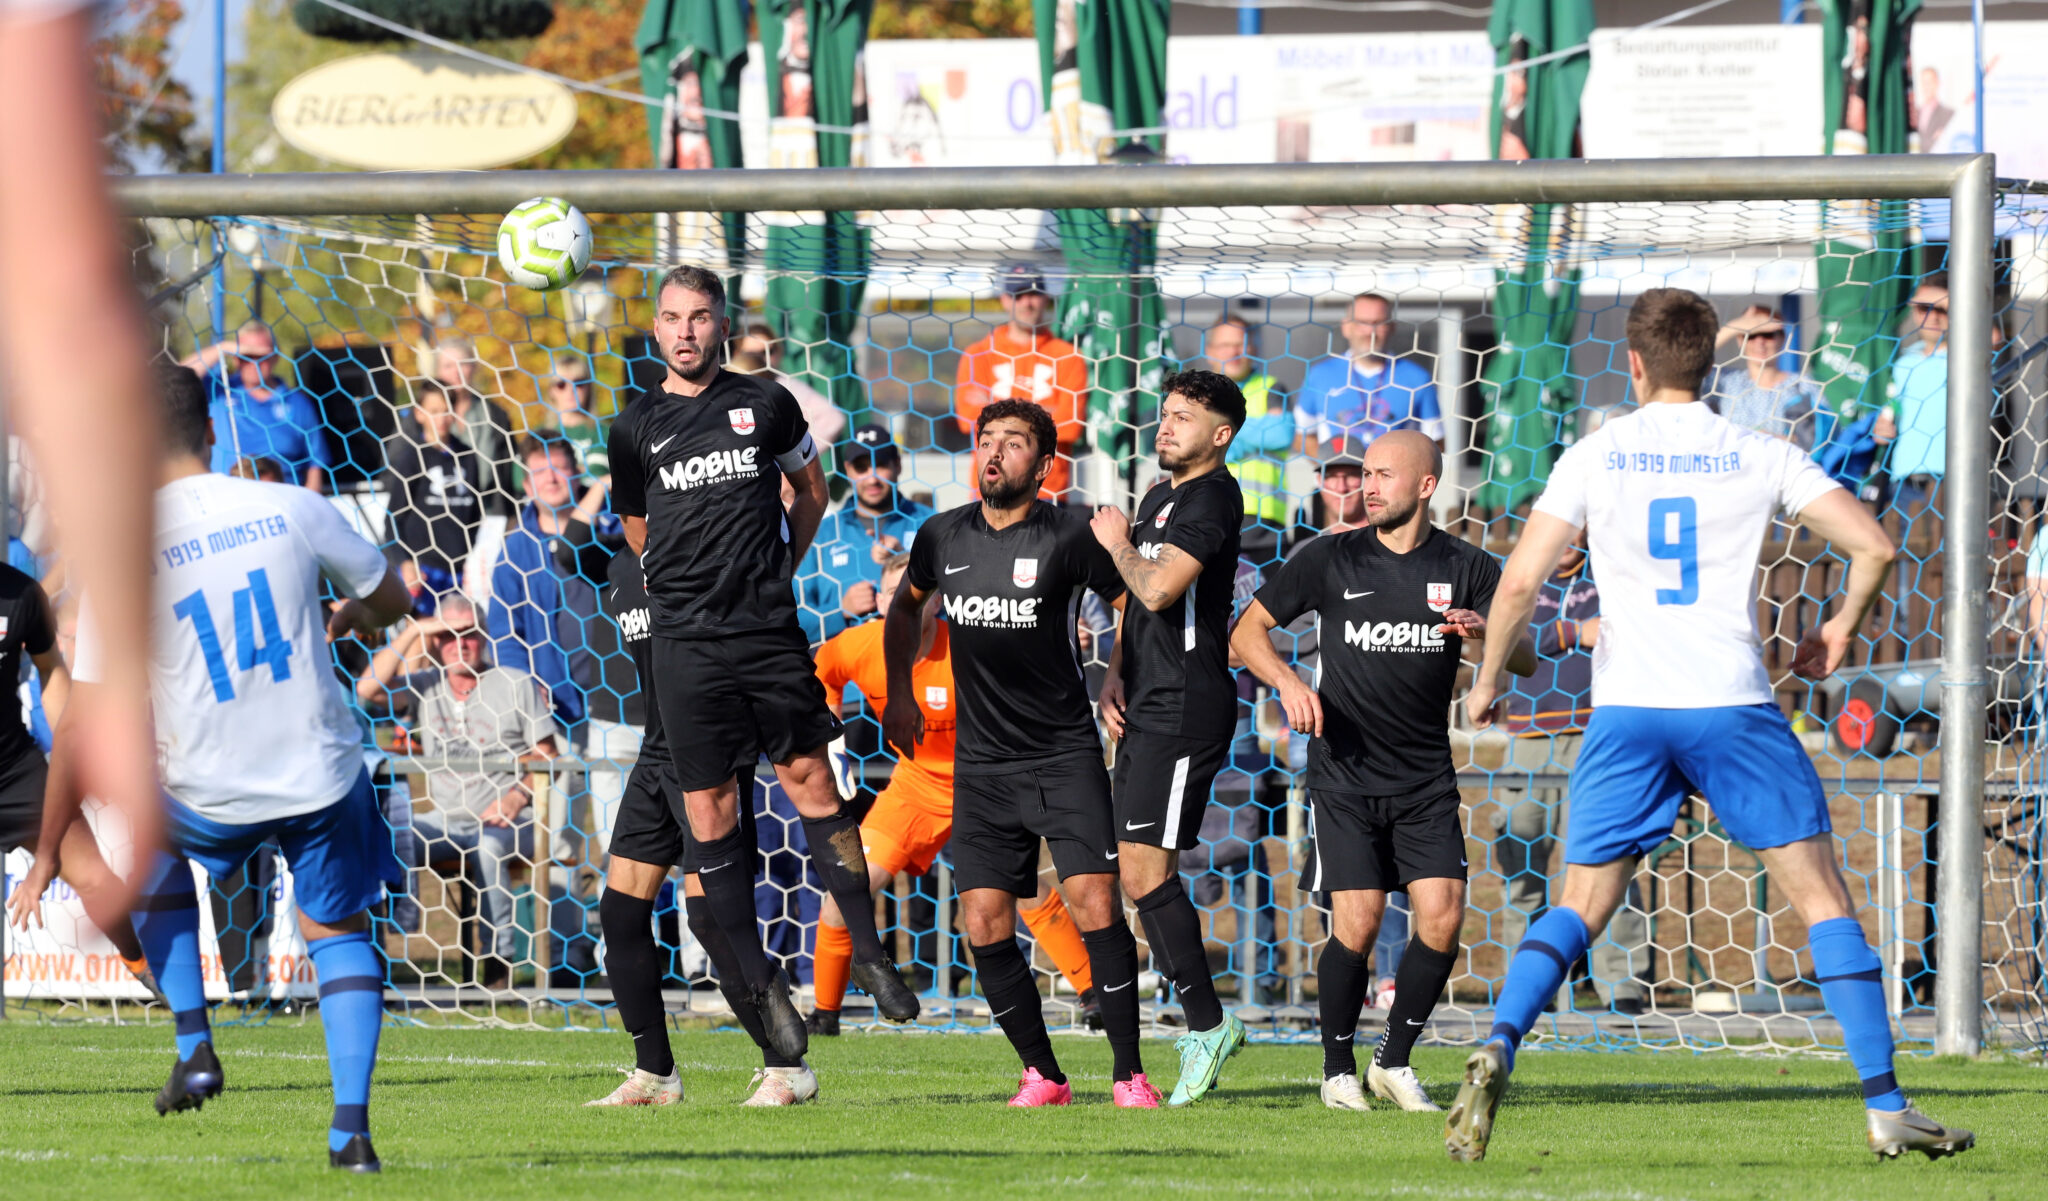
[{"x": 409, "y": 377}]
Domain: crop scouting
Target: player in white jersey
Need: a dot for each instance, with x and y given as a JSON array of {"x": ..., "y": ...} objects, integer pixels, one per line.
[
  {"x": 255, "y": 742},
  {"x": 1675, "y": 502}
]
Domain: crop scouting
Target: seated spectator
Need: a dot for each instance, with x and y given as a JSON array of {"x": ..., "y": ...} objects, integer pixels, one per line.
[
  {"x": 1753, "y": 392},
  {"x": 569, "y": 391},
  {"x": 544, "y": 587},
  {"x": 256, "y": 414},
  {"x": 837, "y": 581},
  {"x": 1258, "y": 454},
  {"x": 825, "y": 419},
  {"x": 485, "y": 428},
  {"x": 466, "y": 709},
  {"x": 432, "y": 481},
  {"x": 1022, "y": 360},
  {"x": 1367, "y": 390}
]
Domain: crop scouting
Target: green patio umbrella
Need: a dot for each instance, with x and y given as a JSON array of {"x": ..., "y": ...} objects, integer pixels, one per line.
[{"x": 691, "y": 55}]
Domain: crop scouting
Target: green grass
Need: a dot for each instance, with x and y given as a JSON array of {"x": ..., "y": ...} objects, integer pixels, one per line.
[{"x": 481, "y": 1114}]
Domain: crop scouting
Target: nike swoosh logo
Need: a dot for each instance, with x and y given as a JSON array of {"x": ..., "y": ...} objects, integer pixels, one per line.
[
  {"x": 1342, "y": 1038},
  {"x": 1350, "y": 595},
  {"x": 1109, "y": 854},
  {"x": 997, "y": 1015},
  {"x": 705, "y": 871},
  {"x": 962, "y": 567},
  {"x": 1138, "y": 825},
  {"x": 655, "y": 448},
  {"x": 1117, "y": 987},
  {"x": 1412, "y": 1021}
]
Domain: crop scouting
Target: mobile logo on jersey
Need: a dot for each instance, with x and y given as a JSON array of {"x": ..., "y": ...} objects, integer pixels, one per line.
[
  {"x": 742, "y": 420},
  {"x": 1024, "y": 573},
  {"x": 1439, "y": 596},
  {"x": 1393, "y": 635},
  {"x": 1159, "y": 518},
  {"x": 635, "y": 624},
  {"x": 992, "y": 612},
  {"x": 934, "y": 697},
  {"x": 712, "y": 468}
]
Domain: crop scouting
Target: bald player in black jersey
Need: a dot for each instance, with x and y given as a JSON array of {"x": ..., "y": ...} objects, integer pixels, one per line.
[
  {"x": 1168, "y": 697},
  {"x": 1027, "y": 756},
  {"x": 1394, "y": 601},
  {"x": 696, "y": 463}
]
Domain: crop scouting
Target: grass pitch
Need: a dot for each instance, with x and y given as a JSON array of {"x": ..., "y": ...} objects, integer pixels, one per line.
[{"x": 474, "y": 1114}]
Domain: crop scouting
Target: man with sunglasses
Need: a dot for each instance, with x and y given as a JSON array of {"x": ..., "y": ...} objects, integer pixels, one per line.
[
  {"x": 838, "y": 581},
  {"x": 255, "y": 414},
  {"x": 1754, "y": 392},
  {"x": 569, "y": 391}
]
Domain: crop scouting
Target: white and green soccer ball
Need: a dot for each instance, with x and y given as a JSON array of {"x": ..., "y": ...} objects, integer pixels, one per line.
[{"x": 544, "y": 244}]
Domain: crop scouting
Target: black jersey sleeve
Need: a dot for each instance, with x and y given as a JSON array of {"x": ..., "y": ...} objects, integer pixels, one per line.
[
  {"x": 788, "y": 434},
  {"x": 629, "y": 475},
  {"x": 32, "y": 622},
  {"x": 1091, "y": 564},
  {"x": 1205, "y": 520},
  {"x": 923, "y": 571},
  {"x": 1297, "y": 587},
  {"x": 1482, "y": 577}
]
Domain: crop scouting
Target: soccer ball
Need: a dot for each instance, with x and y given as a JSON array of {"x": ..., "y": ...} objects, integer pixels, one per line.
[{"x": 544, "y": 243}]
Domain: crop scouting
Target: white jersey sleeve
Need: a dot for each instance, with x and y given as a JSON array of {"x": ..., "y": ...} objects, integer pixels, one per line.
[
  {"x": 345, "y": 557},
  {"x": 1676, "y": 503}
]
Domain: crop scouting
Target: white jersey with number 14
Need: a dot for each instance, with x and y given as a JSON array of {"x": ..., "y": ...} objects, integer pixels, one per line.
[
  {"x": 251, "y": 723},
  {"x": 1676, "y": 502}
]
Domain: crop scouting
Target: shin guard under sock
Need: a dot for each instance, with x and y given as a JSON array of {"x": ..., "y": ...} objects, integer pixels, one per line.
[
  {"x": 1418, "y": 983},
  {"x": 729, "y": 895},
  {"x": 352, "y": 1015},
  {"x": 1550, "y": 948},
  {"x": 718, "y": 949},
  {"x": 1342, "y": 979},
  {"x": 1014, "y": 1003},
  {"x": 1852, "y": 983},
  {"x": 166, "y": 918},
  {"x": 1113, "y": 957},
  {"x": 843, "y": 867},
  {"x": 1174, "y": 930},
  {"x": 633, "y": 965}
]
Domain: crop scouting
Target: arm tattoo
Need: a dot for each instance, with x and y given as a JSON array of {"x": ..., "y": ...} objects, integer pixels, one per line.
[{"x": 1141, "y": 575}]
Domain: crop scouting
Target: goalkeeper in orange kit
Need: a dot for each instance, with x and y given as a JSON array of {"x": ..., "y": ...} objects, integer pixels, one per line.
[{"x": 913, "y": 817}]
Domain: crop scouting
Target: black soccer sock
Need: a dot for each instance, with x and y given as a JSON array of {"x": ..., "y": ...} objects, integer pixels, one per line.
[
  {"x": 122, "y": 935},
  {"x": 843, "y": 866},
  {"x": 725, "y": 969},
  {"x": 633, "y": 965},
  {"x": 730, "y": 894},
  {"x": 1014, "y": 1003},
  {"x": 1113, "y": 958},
  {"x": 1174, "y": 930},
  {"x": 1417, "y": 984},
  {"x": 1342, "y": 979}
]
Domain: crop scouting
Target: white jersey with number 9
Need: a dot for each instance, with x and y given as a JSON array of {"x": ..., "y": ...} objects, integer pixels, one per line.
[
  {"x": 1676, "y": 502},
  {"x": 251, "y": 723}
]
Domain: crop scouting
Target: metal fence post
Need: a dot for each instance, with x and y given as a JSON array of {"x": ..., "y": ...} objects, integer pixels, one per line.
[{"x": 1959, "y": 984}]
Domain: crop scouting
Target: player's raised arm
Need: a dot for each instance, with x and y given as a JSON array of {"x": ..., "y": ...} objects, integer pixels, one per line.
[{"x": 1841, "y": 519}]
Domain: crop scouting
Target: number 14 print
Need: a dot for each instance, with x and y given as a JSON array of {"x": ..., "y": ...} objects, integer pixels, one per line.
[{"x": 254, "y": 612}]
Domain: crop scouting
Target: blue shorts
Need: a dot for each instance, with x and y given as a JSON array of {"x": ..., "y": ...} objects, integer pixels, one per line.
[
  {"x": 1637, "y": 766},
  {"x": 340, "y": 857}
]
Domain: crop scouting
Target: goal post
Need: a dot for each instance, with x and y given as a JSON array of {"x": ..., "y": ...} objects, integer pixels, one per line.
[{"x": 1434, "y": 203}]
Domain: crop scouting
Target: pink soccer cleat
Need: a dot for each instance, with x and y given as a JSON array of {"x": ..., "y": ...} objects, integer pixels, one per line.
[
  {"x": 1035, "y": 1090},
  {"x": 1135, "y": 1093}
]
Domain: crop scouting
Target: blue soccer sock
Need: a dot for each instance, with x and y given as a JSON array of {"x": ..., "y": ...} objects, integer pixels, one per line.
[
  {"x": 166, "y": 920},
  {"x": 1852, "y": 983},
  {"x": 352, "y": 1011},
  {"x": 1550, "y": 948}
]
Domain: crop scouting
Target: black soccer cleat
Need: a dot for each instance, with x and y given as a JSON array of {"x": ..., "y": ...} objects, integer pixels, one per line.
[
  {"x": 193, "y": 1082},
  {"x": 781, "y": 1021},
  {"x": 823, "y": 1023},
  {"x": 893, "y": 998},
  {"x": 359, "y": 1157}
]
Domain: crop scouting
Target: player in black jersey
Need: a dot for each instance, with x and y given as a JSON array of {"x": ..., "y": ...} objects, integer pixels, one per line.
[
  {"x": 1168, "y": 697},
  {"x": 732, "y": 670},
  {"x": 1027, "y": 757},
  {"x": 1394, "y": 601},
  {"x": 650, "y": 834}
]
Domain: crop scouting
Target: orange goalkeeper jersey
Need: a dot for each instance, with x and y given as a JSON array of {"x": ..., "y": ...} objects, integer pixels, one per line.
[{"x": 855, "y": 656}]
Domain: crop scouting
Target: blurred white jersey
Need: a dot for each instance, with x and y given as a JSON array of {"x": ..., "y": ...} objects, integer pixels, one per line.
[
  {"x": 1676, "y": 501},
  {"x": 251, "y": 723}
]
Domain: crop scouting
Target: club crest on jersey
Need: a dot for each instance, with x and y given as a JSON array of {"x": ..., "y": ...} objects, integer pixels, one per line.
[
  {"x": 742, "y": 420},
  {"x": 934, "y": 696},
  {"x": 1439, "y": 596},
  {"x": 1024, "y": 573},
  {"x": 1159, "y": 518}
]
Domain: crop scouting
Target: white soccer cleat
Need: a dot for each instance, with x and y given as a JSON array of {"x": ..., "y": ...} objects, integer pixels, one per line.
[
  {"x": 1342, "y": 1092},
  {"x": 1400, "y": 1086},
  {"x": 644, "y": 1088},
  {"x": 782, "y": 1086}
]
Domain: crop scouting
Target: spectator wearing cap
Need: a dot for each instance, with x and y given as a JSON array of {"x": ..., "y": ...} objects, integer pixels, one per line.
[
  {"x": 1022, "y": 360},
  {"x": 256, "y": 414},
  {"x": 837, "y": 581},
  {"x": 1367, "y": 390},
  {"x": 1753, "y": 392}
]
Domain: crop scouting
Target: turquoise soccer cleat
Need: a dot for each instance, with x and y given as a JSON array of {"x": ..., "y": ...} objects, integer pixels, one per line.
[{"x": 1201, "y": 1059}]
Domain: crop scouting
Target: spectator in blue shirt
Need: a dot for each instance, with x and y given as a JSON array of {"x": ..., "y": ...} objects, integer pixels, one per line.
[
  {"x": 1918, "y": 408},
  {"x": 1368, "y": 390},
  {"x": 544, "y": 609},
  {"x": 836, "y": 584},
  {"x": 256, "y": 415}
]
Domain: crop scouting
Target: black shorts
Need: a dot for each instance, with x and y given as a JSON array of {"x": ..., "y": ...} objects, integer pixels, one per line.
[
  {"x": 1162, "y": 787},
  {"x": 998, "y": 820},
  {"x": 1384, "y": 842},
  {"x": 724, "y": 701},
  {"x": 21, "y": 800},
  {"x": 651, "y": 826}
]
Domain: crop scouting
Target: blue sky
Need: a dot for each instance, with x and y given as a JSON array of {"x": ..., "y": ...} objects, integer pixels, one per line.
[{"x": 193, "y": 44}]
